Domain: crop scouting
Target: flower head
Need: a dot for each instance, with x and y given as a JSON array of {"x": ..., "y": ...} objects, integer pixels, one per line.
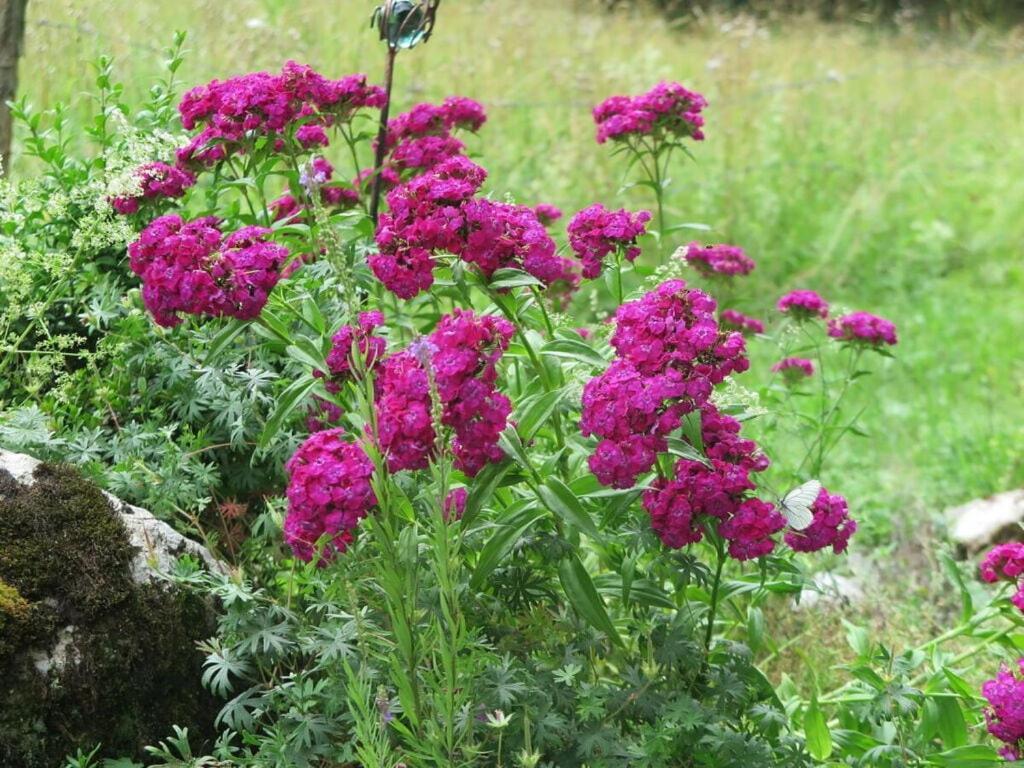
[
  {"x": 1005, "y": 713},
  {"x": 831, "y": 527},
  {"x": 1006, "y": 562},
  {"x": 667, "y": 111},
  {"x": 734, "y": 320},
  {"x": 596, "y": 232},
  {"x": 863, "y": 328},
  {"x": 156, "y": 180},
  {"x": 329, "y": 492},
  {"x": 358, "y": 337},
  {"x": 794, "y": 369},
  {"x": 721, "y": 260},
  {"x": 803, "y": 305}
]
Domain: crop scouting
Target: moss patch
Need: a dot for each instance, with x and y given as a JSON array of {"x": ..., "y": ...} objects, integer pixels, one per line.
[{"x": 126, "y": 668}]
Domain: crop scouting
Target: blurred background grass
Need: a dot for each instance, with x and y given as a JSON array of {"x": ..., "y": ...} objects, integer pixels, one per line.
[{"x": 880, "y": 166}]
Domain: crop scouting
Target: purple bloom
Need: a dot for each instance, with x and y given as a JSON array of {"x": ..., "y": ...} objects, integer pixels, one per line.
[
  {"x": 667, "y": 111},
  {"x": 156, "y": 180},
  {"x": 596, "y": 232},
  {"x": 731, "y": 319},
  {"x": 1005, "y": 713},
  {"x": 724, "y": 260},
  {"x": 793, "y": 369},
  {"x": 803, "y": 305},
  {"x": 863, "y": 328},
  {"x": 831, "y": 527}
]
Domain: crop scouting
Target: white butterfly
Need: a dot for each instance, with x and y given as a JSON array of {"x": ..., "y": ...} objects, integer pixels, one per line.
[{"x": 796, "y": 505}]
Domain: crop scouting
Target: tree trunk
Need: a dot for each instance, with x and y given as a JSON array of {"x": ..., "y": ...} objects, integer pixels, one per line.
[{"x": 12, "y": 33}]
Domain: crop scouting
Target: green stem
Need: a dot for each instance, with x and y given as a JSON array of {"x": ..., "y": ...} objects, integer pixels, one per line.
[{"x": 713, "y": 609}]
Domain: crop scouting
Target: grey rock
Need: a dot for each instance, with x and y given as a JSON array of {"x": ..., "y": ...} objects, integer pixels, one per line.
[{"x": 982, "y": 523}]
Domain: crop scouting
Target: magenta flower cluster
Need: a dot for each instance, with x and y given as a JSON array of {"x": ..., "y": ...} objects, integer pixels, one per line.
[
  {"x": 156, "y": 180},
  {"x": 233, "y": 114},
  {"x": 329, "y": 492},
  {"x": 681, "y": 506},
  {"x": 832, "y": 526},
  {"x": 1006, "y": 563},
  {"x": 793, "y": 369},
  {"x": 1005, "y": 712},
  {"x": 437, "y": 212},
  {"x": 461, "y": 357},
  {"x": 803, "y": 305},
  {"x": 189, "y": 267},
  {"x": 721, "y": 260},
  {"x": 667, "y": 111},
  {"x": 735, "y": 320},
  {"x": 863, "y": 328},
  {"x": 596, "y": 232},
  {"x": 352, "y": 339},
  {"x": 547, "y": 214},
  {"x": 422, "y": 138},
  {"x": 670, "y": 354}
]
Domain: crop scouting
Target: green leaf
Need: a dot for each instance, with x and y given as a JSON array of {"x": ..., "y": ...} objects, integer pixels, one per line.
[
  {"x": 224, "y": 337},
  {"x": 819, "y": 740},
  {"x": 951, "y": 723},
  {"x": 537, "y": 414},
  {"x": 560, "y": 499},
  {"x": 580, "y": 591},
  {"x": 501, "y": 543},
  {"x": 512, "y": 278},
  {"x": 484, "y": 485},
  {"x": 574, "y": 350},
  {"x": 286, "y": 403},
  {"x": 974, "y": 756},
  {"x": 684, "y": 450}
]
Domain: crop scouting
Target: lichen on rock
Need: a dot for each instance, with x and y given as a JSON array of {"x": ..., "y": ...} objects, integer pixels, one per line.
[{"x": 94, "y": 648}]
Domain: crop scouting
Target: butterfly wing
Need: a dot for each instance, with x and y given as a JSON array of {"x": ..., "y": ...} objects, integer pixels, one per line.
[{"x": 796, "y": 505}]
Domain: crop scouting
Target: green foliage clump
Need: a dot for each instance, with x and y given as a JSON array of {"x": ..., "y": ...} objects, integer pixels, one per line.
[{"x": 87, "y": 655}]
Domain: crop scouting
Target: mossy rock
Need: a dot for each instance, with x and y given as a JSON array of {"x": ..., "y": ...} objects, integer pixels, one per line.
[{"x": 93, "y": 648}]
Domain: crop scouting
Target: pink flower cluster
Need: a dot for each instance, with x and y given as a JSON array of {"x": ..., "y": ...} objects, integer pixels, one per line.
[
  {"x": 329, "y": 492},
  {"x": 681, "y": 507},
  {"x": 422, "y": 138},
  {"x": 234, "y": 113},
  {"x": 547, "y": 214},
  {"x": 156, "y": 180},
  {"x": 722, "y": 260},
  {"x": 793, "y": 369},
  {"x": 1006, "y": 562},
  {"x": 832, "y": 526},
  {"x": 370, "y": 348},
  {"x": 596, "y": 232},
  {"x": 462, "y": 355},
  {"x": 803, "y": 305},
  {"x": 1005, "y": 713},
  {"x": 190, "y": 267},
  {"x": 667, "y": 111},
  {"x": 863, "y": 328},
  {"x": 734, "y": 320},
  {"x": 455, "y": 504},
  {"x": 670, "y": 354},
  {"x": 437, "y": 212}
]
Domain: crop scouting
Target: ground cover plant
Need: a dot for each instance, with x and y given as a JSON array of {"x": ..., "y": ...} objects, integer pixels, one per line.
[{"x": 536, "y": 510}]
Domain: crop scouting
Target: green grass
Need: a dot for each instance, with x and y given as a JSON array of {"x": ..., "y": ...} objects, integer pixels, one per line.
[{"x": 882, "y": 170}]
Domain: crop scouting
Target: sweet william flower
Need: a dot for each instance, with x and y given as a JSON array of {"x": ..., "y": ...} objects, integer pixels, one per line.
[
  {"x": 803, "y": 305},
  {"x": 1005, "y": 712},
  {"x": 794, "y": 369},
  {"x": 734, "y": 320},
  {"x": 156, "y": 180},
  {"x": 863, "y": 328},
  {"x": 667, "y": 111},
  {"x": 329, "y": 492},
  {"x": 1006, "y": 562},
  {"x": 831, "y": 526},
  {"x": 596, "y": 232},
  {"x": 718, "y": 260}
]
